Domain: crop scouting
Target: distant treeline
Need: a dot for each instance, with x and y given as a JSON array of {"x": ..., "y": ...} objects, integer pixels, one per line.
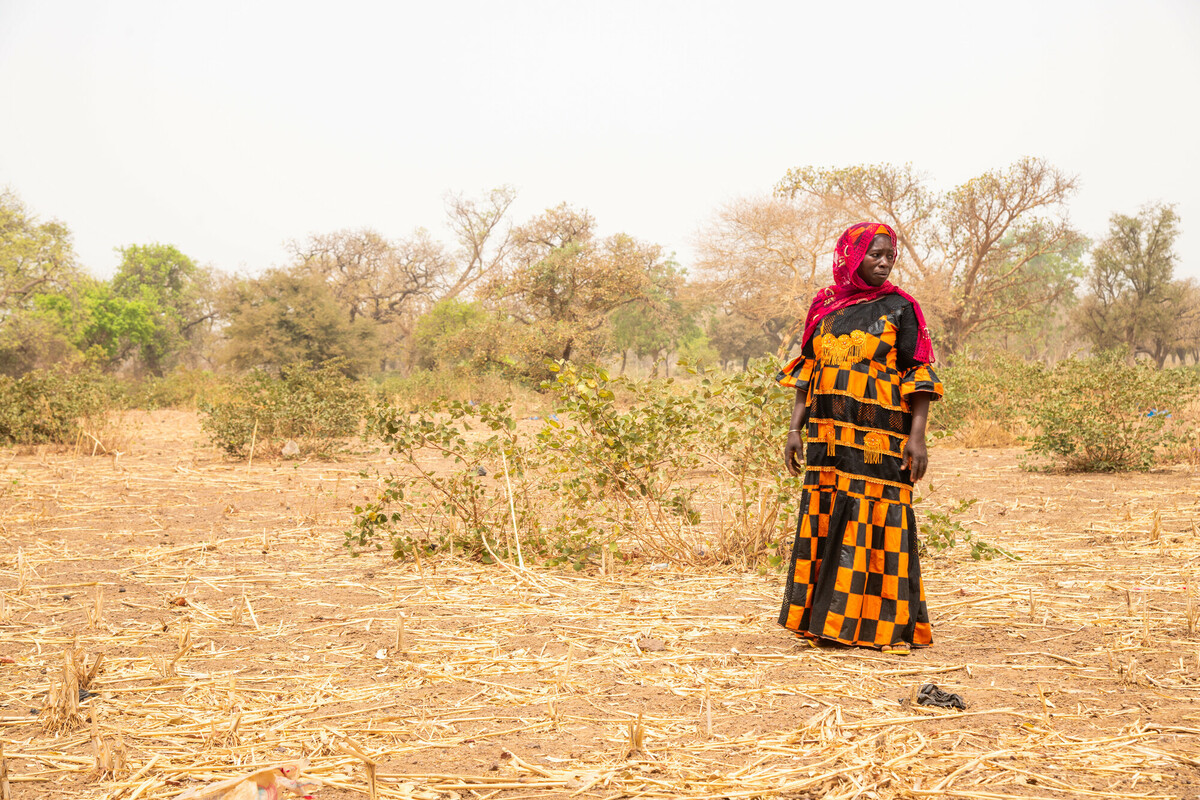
[{"x": 995, "y": 262}]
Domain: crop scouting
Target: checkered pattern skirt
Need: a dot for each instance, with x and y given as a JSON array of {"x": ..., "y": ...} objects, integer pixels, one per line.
[{"x": 855, "y": 576}]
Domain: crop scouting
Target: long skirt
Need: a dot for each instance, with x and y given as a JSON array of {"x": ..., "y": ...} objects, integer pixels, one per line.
[{"x": 855, "y": 576}]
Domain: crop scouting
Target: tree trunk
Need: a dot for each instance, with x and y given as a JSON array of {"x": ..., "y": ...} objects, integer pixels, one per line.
[{"x": 624, "y": 358}]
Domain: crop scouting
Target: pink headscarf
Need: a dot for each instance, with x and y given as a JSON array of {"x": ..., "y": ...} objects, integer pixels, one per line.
[{"x": 849, "y": 289}]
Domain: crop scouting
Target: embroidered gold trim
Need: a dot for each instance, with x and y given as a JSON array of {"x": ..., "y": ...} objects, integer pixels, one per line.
[
  {"x": 901, "y": 436},
  {"x": 851, "y": 476},
  {"x": 847, "y": 348},
  {"x": 874, "y": 446}
]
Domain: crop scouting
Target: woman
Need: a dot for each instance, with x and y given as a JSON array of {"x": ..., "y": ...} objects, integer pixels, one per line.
[{"x": 863, "y": 385}]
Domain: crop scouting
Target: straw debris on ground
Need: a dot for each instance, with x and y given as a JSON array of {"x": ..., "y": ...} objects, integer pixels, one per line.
[{"x": 174, "y": 619}]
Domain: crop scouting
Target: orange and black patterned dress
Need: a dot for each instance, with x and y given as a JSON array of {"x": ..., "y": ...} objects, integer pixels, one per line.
[{"x": 855, "y": 576}]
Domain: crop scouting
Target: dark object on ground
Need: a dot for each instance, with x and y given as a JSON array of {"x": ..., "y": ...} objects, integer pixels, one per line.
[
  {"x": 931, "y": 695},
  {"x": 480, "y": 471},
  {"x": 84, "y": 694}
]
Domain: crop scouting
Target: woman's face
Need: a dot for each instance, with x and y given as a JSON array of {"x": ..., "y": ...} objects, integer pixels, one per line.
[{"x": 877, "y": 263}]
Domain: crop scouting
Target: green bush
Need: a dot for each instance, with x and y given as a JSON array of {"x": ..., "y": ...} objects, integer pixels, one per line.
[
  {"x": 421, "y": 387},
  {"x": 942, "y": 532},
  {"x": 996, "y": 391},
  {"x": 314, "y": 406},
  {"x": 181, "y": 389},
  {"x": 1102, "y": 414},
  {"x": 48, "y": 406},
  {"x": 611, "y": 470}
]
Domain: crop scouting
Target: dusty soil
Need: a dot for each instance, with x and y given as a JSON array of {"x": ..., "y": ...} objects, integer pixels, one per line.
[{"x": 235, "y": 630}]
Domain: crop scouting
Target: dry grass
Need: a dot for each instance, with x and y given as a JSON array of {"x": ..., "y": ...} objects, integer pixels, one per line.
[{"x": 234, "y": 634}]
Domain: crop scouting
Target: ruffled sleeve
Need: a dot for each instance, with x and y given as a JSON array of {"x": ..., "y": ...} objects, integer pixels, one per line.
[
  {"x": 797, "y": 373},
  {"x": 921, "y": 378}
]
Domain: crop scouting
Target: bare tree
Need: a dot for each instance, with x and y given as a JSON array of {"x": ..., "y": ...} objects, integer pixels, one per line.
[
  {"x": 372, "y": 277},
  {"x": 562, "y": 283},
  {"x": 761, "y": 260},
  {"x": 484, "y": 240},
  {"x": 982, "y": 255}
]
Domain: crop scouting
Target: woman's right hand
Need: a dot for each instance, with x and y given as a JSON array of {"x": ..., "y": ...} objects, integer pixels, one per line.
[{"x": 793, "y": 454}]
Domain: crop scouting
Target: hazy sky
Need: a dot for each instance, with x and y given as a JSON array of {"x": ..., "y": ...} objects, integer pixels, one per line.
[{"x": 227, "y": 128}]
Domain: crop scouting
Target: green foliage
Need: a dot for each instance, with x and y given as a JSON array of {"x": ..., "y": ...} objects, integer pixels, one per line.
[
  {"x": 287, "y": 317},
  {"x": 100, "y": 323},
  {"x": 46, "y": 406},
  {"x": 738, "y": 339},
  {"x": 563, "y": 284},
  {"x": 744, "y": 418},
  {"x": 458, "y": 509},
  {"x": 608, "y": 472},
  {"x": 1105, "y": 415},
  {"x": 454, "y": 334},
  {"x": 615, "y": 466},
  {"x": 35, "y": 257},
  {"x": 421, "y": 387},
  {"x": 942, "y": 531},
  {"x": 31, "y": 340},
  {"x": 181, "y": 389},
  {"x": 1135, "y": 302},
  {"x": 647, "y": 326},
  {"x": 695, "y": 347},
  {"x": 314, "y": 406},
  {"x": 997, "y": 388},
  {"x": 158, "y": 302},
  {"x": 173, "y": 292}
]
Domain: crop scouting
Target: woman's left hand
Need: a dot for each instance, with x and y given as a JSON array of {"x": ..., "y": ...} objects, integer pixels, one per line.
[{"x": 915, "y": 458}]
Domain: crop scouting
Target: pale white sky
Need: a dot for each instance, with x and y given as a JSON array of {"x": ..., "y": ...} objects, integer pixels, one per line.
[{"x": 227, "y": 128}]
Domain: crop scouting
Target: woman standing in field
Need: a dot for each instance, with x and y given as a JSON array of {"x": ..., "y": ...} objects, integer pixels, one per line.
[{"x": 863, "y": 385}]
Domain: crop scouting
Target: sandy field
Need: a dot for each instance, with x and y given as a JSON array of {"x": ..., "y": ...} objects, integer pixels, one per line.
[{"x": 234, "y": 630}]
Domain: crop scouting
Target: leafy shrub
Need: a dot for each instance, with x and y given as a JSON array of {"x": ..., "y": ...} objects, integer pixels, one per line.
[
  {"x": 456, "y": 509},
  {"x": 448, "y": 335},
  {"x": 422, "y": 387},
  {"x": 610, "y": 471},
  {"x": 746, "y": 416},
  {"x": 988, "y": 398},
  {"x": 315, "y": 406},
  {"x": 48, "y": 406},
  {"x": 942, "y": 531},
  {"x": 183, "y": 389},
  {"x": 1105, "y": 415}
]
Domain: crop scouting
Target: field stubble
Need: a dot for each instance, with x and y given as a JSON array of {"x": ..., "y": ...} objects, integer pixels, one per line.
[{"x": 234, "y": 631}]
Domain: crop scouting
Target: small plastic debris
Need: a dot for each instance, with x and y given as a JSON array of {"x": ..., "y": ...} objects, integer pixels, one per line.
[
  {"x": 264, "y": 782},
  {"x": 121, "y": 590},
  {"x": 290, "y": 449},
  {"x": 931, "y": 695}
]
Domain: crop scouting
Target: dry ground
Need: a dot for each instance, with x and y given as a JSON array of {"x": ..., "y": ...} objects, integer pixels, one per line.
[{"x": 235, "y": 631}]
